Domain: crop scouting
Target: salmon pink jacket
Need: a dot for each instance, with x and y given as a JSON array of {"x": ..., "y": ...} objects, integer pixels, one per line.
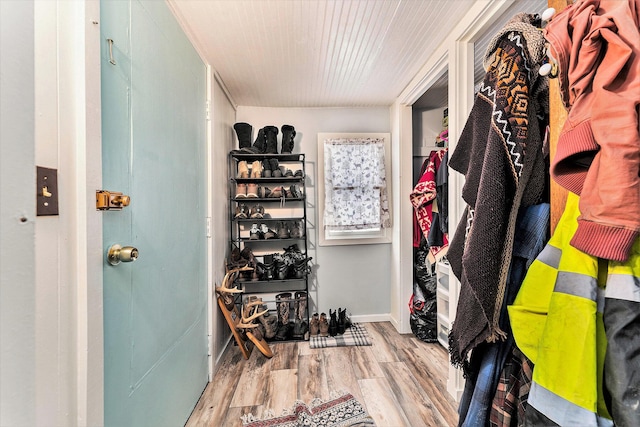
[{"x": 597, "y": 46}]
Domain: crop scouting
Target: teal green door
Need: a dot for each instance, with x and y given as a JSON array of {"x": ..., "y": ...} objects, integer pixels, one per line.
[{"x": 153, "y": 149}]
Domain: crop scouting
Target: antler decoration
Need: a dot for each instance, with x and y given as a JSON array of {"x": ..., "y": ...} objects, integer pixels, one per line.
[{"x": 225, "y": 291}]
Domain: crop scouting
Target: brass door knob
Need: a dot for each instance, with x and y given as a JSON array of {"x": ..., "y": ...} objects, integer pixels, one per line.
[{"x": 118, "y": 254}]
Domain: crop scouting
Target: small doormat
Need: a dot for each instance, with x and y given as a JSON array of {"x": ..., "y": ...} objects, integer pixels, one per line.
[
  {"x": 339, "y": 411},
  {"x": 355, "y": 335}
]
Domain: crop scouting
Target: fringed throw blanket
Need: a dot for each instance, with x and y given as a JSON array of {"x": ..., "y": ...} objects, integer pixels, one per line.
[
  {"x": 500, "y": 154},
  {"x": 340, "y": 411}
]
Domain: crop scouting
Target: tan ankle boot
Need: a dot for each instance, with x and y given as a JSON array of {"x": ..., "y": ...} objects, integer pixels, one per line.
[
  {"x": 243, "y": 169},
  {"x": 256, "y": 169}
]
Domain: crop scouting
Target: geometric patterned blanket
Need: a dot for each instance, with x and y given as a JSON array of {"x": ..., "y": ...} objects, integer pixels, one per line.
[{"x": 339, "y": 411}]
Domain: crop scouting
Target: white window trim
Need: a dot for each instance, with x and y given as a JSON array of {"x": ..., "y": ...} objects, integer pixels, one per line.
[{"x": 353, "y": 237}]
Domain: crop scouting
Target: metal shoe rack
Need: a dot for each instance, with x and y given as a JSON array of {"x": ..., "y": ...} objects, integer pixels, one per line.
[{"x": 277, "y": 211}]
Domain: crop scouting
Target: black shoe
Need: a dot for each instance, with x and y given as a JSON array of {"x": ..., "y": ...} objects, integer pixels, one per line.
[
  {"x": 284, "y": 332},
  {"x": 333, "y": 324},
  {"x": 342, "y": 320}
]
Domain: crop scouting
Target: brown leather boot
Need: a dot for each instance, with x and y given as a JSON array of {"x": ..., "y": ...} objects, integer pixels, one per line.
[
  {"x": 314, "y": 326},
  {"x": 324, "y": 325}
]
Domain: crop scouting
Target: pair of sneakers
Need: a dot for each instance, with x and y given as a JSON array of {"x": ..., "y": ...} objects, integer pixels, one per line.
[{"x": 261, "y": 233}]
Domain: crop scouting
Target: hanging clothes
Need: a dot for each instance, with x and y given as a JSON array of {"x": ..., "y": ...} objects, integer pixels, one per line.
[
  {"x": 596, "y": 44},
  {"x": 577, "y": 317},
  {"x": 488, "y": 359},
  {"x": 422, "y": 198},
  {"x": 500, "y": 154},
  {"x": 418, "y": 237}
]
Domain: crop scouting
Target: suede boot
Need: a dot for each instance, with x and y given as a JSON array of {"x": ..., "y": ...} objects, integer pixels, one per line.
[
  {"x": 271, "y": 140},
  {"x": 260, "y": 144},
  {"x": 323, "y": 325},
  {"x": 288, "y": 133},
  {"x": 243, "y": 132},
  {"x": 314, "y": 326}
]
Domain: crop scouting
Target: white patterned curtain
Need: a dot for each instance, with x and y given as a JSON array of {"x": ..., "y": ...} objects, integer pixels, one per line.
[{"x": 355, "y": 185}]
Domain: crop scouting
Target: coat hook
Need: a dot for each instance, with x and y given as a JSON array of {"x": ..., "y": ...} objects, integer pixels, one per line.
[{"x": 111, "y": 60}]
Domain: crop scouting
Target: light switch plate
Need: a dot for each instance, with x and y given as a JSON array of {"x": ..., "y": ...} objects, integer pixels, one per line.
[{"x": 46, "y": 191}]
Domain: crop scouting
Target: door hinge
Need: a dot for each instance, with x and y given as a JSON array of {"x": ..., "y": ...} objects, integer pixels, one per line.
[
  {"x": 208, "y": 226},
  {"x": 208, "y": 110}
]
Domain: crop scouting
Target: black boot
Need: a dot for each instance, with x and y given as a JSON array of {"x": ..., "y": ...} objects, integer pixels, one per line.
[
  {"x": 342, "y": 321},
  {"x": 271, "y": 138},
  {"x": 269, "y": 267},
  {"x": 243, "y": 132},
  {"x": 260, "y": 144},
  {"x": 333, "y": 324},
  {"x": 288, "y": 133}
]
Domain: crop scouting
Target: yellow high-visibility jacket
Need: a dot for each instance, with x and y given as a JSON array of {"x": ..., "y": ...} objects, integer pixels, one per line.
[{"x": 557, "y": 322}]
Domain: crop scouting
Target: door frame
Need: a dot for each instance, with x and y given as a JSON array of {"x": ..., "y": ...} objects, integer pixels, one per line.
[
  {"x": 456, "y": 55},
  {"x": 80, "y": 159}
]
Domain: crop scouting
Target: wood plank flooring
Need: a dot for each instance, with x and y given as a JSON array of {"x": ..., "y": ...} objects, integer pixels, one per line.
[{"x": 399, "y": 379}]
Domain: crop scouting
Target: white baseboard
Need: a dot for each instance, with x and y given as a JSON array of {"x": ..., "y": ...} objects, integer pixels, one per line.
[{"x": 367, "y": 318}]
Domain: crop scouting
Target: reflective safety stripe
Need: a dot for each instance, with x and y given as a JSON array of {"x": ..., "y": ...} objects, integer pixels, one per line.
[
  {"x": 623, "y": 286},
  {"x": 550, "y": 255},
  {"x": 563, "y": 412},
  {"x": 601, "y": 296},
  {"x": 576, "y": 284}
]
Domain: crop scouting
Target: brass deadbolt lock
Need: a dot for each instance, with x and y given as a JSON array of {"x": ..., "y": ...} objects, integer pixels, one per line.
[
  {"x": 118, "y": 254},
  {"x": 111, "y": 200}
]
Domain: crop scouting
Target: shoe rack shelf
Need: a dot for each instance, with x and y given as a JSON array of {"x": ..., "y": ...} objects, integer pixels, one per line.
[{"x": 288, "y": 296}]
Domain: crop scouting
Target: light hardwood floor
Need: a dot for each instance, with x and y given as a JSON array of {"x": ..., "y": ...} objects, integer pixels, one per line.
[{"x": 399, "y": 379}]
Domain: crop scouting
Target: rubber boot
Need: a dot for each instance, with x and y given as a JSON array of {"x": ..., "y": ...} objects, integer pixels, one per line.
[
  {"x": 288, "y": 133},
  {"x": 271, "y": 139},
  {"x": 243, "y": 132}
]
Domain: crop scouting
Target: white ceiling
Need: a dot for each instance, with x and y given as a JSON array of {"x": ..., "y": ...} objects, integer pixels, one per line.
[{"x": 318, "y": 53}]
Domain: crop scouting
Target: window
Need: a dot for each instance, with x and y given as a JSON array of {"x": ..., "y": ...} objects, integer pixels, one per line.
[{"x": 354, "y": 188}]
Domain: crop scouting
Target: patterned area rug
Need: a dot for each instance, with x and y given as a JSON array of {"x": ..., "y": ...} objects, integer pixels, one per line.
[
  {"x": 339, "y": 411},
  {"x": 355, "y": 335}
]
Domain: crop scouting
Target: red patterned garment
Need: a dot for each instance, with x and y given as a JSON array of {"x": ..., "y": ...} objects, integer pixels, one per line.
[{"x": 422, "y": 197}]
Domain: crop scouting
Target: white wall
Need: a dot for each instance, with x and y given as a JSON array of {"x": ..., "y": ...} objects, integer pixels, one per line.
[
  {"x": 17, "y": 215},
  {"x": 223, "y": 117},
  {"x": 357, "y": 277}
]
